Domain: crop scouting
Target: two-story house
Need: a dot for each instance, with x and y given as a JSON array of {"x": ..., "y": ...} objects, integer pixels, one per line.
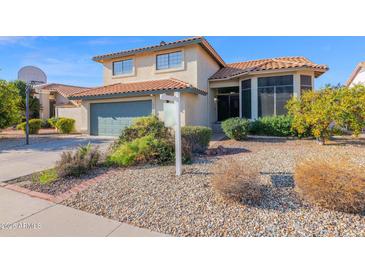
[{"x": 211, "y": 90}]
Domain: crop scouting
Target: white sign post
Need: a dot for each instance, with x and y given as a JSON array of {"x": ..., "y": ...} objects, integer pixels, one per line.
[{"x": 176, "y": 100}]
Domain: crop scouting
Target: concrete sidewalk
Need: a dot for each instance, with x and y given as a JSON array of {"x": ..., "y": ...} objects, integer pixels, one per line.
[{"x": 24, "y": 216}]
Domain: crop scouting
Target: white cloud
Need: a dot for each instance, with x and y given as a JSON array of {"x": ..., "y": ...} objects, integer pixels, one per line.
[
  {"x": 79, "y": 70},
  {"x": 25, "y": 41}
]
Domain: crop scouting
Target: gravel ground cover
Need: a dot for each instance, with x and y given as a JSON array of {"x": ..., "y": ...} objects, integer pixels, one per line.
[{"x": 152, "y": 197}]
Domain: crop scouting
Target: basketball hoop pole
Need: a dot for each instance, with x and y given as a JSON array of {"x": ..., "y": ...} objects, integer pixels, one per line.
[{"x": 27, "y": 94}]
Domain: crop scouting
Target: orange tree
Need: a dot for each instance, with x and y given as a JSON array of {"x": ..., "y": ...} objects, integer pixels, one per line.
[
  {"x": 352, "y": 108},
  {"x": 319, "y": 111},
  {"x": 9, "y": 101},
  {"x": 315, "y": 111}
]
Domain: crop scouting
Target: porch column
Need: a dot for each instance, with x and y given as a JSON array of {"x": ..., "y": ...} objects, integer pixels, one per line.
[
  {"x": 254, "y": 98},
  {"x": 296, "y": 85},
  {"x": 240, "y": 97}
]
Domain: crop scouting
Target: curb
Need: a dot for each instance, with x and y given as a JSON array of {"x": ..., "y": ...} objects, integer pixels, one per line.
[{"x": 60, "y": 197}]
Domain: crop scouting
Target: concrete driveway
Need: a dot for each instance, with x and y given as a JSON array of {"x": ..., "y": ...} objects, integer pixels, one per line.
[{"x": 18, "y": 159}]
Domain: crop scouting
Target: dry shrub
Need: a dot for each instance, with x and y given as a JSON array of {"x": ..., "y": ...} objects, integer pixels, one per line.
[
  {"x": 76, "y": 163},
  {"x": 236, "y": 181},
  {"x": 332, "y": 183}
]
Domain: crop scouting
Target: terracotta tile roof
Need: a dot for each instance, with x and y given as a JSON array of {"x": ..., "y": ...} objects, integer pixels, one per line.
[
  {"x": 235, "y": 69},
  {"x": 139, "y": 88},
  {"x": 165, "y": 45},
  {"x": 64, "y": 90}
]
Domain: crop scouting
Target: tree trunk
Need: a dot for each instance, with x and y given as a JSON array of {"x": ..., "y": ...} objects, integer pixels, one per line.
[{"x": 321, "y": 140}]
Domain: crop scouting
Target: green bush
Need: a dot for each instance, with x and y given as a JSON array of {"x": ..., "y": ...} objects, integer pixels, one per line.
[
  {"x": 78, "y": 162},
  {"x": 280, "y": 125},
  {"x": 142, "y": 150},
  {"x": 45, "y": 123},
  {"x": 236, "y": 128},
  {"x": 316, "y": 111},
  {"x": 34, "y": 126},
  {"x": 52, "y": 121},
  {"x": 65, "y": 125},
  {"x": 197, "y": 137},
  {"x": 144, "y": 126},
  {"x": 147, "y": 140},
  {"x": 46, "y": 177},
  {"x": 10, "y": 113}
]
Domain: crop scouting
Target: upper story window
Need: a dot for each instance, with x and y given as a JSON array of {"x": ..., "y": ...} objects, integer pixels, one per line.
[
  {"x": 169, "y": 60},
  {"x": 123, "y": 67},
  {"x": 305, "y": 82}
]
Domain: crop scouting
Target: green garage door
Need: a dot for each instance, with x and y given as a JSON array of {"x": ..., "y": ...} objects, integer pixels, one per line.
[{"x": 109, "y": 119}]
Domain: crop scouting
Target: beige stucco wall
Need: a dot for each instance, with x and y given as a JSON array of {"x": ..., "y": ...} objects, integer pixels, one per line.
[
  {"x": 60, "y": 100},
  {"x": 43, "y": 96},
  {"x": 145, "y": 67},
  {"x": 44, "y": 101},
  {"x": 198, "y": 106},
  {"x": 197, "y": 67},
  {"x": 71, "y": 112}
]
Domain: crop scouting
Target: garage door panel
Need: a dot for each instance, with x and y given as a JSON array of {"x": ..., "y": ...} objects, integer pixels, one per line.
[{"x": 109, "y": 119}]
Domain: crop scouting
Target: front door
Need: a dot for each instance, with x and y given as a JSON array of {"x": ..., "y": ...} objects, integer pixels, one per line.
[{"x": 228, "y": 106}]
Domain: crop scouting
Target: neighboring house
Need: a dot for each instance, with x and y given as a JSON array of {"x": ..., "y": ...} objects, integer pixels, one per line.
[
  {"x": 211, "y": 90},
  {"x": 357, "y": 76},
  {"x": 55, "y": 102}
]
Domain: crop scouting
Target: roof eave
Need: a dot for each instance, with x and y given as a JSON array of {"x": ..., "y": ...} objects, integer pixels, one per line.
[
  {"x": 137, "y": 94},
  {"x": 321, "y": 71},
  {"x": 101, "y": 58},
  {"x": 202, "y": 41}
]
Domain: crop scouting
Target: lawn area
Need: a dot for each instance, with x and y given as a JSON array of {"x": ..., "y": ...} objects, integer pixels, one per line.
[{"x": 153, "y": 197}]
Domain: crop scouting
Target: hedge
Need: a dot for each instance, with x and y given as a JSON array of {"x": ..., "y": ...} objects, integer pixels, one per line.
[
  {"x": 65, "y": 125},
  {"x": 236, "y": 128},
  {"x": 34, "y": 126},
  {"x": 198, "y": 137}
]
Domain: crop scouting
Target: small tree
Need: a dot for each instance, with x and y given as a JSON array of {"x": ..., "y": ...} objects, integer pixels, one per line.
[
  {"x": 9, "y": 102},
  {"x": 34, "y": 104},
  {"x": 352, "y": 108},
  {"x": 316, "y": 111}
]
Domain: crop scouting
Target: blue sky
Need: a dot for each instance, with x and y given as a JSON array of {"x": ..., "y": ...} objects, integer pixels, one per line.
[{"x": 68, "y": 59}]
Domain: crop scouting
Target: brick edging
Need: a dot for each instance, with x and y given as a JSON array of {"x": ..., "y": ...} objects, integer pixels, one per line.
[{"x": 60, "y": 197}]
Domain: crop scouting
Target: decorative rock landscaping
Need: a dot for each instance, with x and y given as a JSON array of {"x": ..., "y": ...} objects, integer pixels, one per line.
[{"x": 153, "y": 197}]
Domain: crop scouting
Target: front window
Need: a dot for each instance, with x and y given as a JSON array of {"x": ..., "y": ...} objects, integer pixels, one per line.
[
  {"x": 123, "y": 67},
  {"x": 305, "y": 82},
  {"x": 246, "y": 98},
  {"x": 169, "y": 60},
  {"x": 274, "y": 93}
]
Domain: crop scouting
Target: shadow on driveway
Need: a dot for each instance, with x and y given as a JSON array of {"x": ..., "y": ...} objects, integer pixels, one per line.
[{"x": 50, "y": 143}]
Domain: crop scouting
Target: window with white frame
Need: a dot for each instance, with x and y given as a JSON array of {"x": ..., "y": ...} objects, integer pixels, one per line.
[
  {"x": 123, "y": 67},
  {"x": 305, "y": 82},
  {"x": 169, "y": 60},
  {"x": 274, "y": 93}
]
